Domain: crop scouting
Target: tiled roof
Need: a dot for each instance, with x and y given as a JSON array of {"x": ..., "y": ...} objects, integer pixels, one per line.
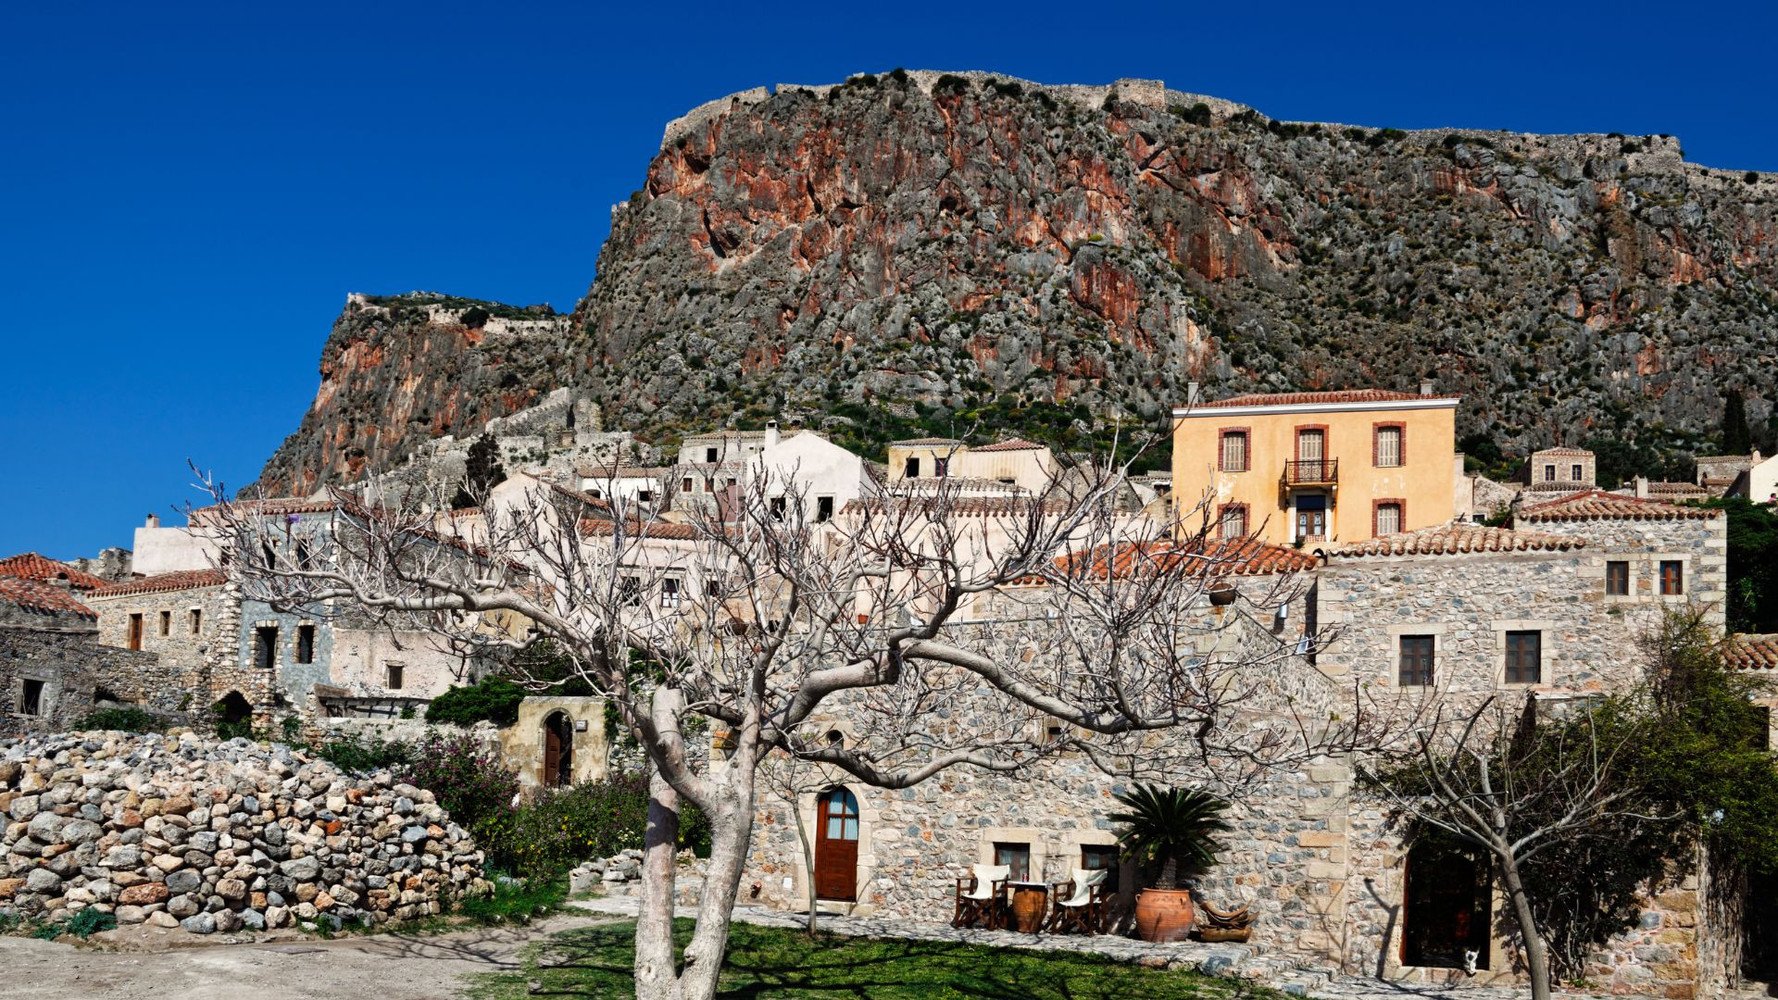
[
  {"x": 1299, "y": 398},
  {"x": 1457, "y": 539},
  {"x": 657, "y": 529},
  {"x": 933, "y": 483},
  {"x": 467, "y": 512},
  {"x": 185, "y": 579},
  {"x": 1565, "y": 452},
  {"x": 1748, "y": 651},
  {"x": 1015, "y": 444},
  {"x": 924, "y": 441},
  {"x": 1214, "y": 557},
  {"x": 279, "y": 505},
  {"x": 31, "y": 566},
  {"x": 958, "y": 505},
  {"x": 1680, "y": 489},
  {"x": 1559, "y": 487},
  {"x": 1598, "y": 505},
  {"x": 47, "y": 598}
]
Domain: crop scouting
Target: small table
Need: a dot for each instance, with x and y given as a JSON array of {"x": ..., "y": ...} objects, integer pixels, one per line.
[{"x": 1029, "y": 900}]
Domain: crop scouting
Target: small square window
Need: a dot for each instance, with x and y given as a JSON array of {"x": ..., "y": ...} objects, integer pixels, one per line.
[
  {"x": 823, "y": 510},
  {"x": 1233, "y": 521},
  {"x": 394, "y": 675},
  {"x": 1094, "y": 857},
  {"x": 1416, "y": 660},
  {"x": 710, "y": 456},
  {"x": 1672, "y": 577},
  {"x": 1549, "y": 473},
  {"x": 197, "y": 620},
  {"x": 1524, "y": 657},
  {"x": 1574, "y": 473},
  {"x": 645, "y": 496},
  {"x": 31, "y": 698},
  {"x": 1617, "y": 578},
  {"x": 671, "y": 592},
  {"x": 629, "y": 591},
  {"x": 1017, "y": 857},
  {"x": 912, "y": 469},
  {"x": 687, "y": 486},
  {"x": 1388, "y": 518}
]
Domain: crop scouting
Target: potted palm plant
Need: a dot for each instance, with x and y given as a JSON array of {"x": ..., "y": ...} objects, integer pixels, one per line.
[{"x": 1177, "y": 828}]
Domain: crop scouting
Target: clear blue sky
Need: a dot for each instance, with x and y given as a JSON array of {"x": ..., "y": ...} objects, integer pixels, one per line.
[{"x": 188, "y": 191}]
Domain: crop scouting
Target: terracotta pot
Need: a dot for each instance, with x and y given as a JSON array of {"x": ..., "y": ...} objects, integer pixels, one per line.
[
  {"x": 1027, "y": 908},
  {"x": 1164, "y": 914}
]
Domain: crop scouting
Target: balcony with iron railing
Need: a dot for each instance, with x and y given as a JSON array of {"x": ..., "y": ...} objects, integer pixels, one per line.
[{"x": 1311, "y": 472}]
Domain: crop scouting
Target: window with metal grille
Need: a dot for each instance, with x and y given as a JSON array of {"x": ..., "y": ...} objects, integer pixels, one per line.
[
  {"x": 1416, "y": 660},
  {"x": 1234, "y": 451},
  {"x": 1524, "y": 657},
  {"x": 1388, "y": 446},
  {"x": 1672, "y": 577},
  {"x": 1617, "y": 578},
  {"x": 1388, "y": 518}
]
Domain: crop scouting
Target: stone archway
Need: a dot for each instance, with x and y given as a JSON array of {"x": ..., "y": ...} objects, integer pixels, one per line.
[
  {"x": 558, "y": 750},
  {"x": 234, "y": 708}
]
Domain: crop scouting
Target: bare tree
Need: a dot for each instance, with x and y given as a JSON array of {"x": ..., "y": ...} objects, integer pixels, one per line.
[
  {"x": 929, "y": 619},
  {"x": 1513, "y": 786}
]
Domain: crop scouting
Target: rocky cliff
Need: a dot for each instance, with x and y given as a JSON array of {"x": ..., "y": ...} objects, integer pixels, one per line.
[{"x": 940, "y": 252}]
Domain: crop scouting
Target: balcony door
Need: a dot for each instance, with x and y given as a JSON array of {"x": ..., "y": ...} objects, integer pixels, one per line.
[
  {"x": 1311, "y": 452},
  {"x": 1311, "y": 515}
]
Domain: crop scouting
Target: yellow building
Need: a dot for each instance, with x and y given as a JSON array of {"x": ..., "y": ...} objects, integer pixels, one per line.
[{"x": 1315, "y": 466}]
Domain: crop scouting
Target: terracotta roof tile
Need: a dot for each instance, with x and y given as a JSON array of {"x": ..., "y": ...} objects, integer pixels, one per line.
[
  {"x": 1213, "y": 557},
  {"x": 31, "y": 566},
  {"x": 185, "y": 579},
  {"x": 1014, "y": 444},
  {"x": 1299, "y": 398},
  {"x": 1456, "y": 539},
  {"x": 1598, "y": 505},
  {"x": 279, "y": 505},
  {"x": 925, "y": 441},
  {"x": 37, "y": 595},
  {"x": 999, "y": 505},
  {"x": 1565, "y": 452},
  {"x": 659, "y": 529},
  {"x": 1748, "y": 651}
]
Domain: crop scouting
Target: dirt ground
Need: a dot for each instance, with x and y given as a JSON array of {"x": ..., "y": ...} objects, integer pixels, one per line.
[{"x": 167, "y": 965}]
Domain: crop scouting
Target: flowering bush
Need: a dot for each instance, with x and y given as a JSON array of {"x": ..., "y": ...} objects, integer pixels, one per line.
[
  {"x": 469, "y": 779},
  {"x": 562, "y": 827}
]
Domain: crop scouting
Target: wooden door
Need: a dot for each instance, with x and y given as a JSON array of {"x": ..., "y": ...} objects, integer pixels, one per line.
[
  {"x": 135, "y": 636},
  {"x": 836, "y": 846},
  {"x": 558, "y": 750}
]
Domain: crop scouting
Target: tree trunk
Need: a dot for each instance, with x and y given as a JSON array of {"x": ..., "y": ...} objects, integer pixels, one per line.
[
  {"x": 1536, "y": 951},
  {"x": 656, "y": 967},
  {"x": 808, "y": 845},
  {"x": 731, "y": 830}
]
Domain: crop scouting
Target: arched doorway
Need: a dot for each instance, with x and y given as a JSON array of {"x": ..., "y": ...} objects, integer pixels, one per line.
[
  {"x": 836, "y": 845},
  {"x": 558, "y": 750}
]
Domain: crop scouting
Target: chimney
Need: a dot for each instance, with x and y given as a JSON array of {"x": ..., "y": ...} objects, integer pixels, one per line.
[
  {"x": 154, "y": 520},
  {"x": 1191, "y": 394},
  {"x": 1426, "y": 387},
  {"x": 771, "y": 433},
  {"x": 1642, "y": 487}
]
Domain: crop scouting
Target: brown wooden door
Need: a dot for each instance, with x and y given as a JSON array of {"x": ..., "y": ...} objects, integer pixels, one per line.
[{"x": 836, "y": 846}]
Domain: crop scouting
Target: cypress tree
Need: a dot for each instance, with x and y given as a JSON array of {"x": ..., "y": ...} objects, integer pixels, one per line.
[{"x": 1737, "y": 437}]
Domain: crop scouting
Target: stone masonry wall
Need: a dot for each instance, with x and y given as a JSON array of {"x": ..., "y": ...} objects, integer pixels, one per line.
[{"x": 72, "y": 667}]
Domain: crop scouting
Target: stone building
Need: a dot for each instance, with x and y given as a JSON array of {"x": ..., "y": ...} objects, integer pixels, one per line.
[
  {"x": 52, "y": 671},
  {"x": 1447, "y": 614}
]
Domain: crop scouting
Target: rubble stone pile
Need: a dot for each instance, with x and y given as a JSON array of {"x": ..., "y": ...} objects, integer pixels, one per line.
[{"x": 184, "y": 831}]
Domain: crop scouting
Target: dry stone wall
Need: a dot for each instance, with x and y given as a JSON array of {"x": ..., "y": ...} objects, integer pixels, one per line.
[{"x": 180, "y": 831}]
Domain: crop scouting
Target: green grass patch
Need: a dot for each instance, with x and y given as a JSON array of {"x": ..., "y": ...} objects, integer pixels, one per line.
[
  {"x": 518, "y": 902},
  {"x": 768, "y": 963}
]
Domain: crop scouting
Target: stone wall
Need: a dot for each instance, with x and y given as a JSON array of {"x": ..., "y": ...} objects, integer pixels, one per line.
[
  {"x": 179, "y": 831},
  {"x": 182, "y": 648},
  {"x": 72, "y": 668}
]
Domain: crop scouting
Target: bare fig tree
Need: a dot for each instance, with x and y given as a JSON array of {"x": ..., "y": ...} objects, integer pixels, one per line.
[{"x": 926, "y": 618}]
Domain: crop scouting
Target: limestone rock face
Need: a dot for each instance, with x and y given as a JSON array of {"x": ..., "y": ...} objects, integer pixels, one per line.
[
  {"x": 223, "y": 817},
  {"x": 929, "y": 253}
]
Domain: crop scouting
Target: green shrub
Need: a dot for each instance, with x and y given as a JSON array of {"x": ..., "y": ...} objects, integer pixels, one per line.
[
  {"x": 517, "y": 901},
  {"x": 130, "y": 720},
  {"x": 470, "y": 781},
  {"x": 1197, "y": 114},
  {"x": 495, "y": 699},
  {"x": 1750, "y": 177},
  {"x": 560, "y": 828},
  {"x": 355, "y": 754},
  {"x": 950, "y": 83},
  {"x": 89, "y": 922}
]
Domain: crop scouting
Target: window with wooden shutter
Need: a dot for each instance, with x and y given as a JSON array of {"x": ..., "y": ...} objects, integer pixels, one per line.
[
  {"x": 1388, "y": 518},
  {"x": 1524, "y": 657},
  {"x": 1388, "y": 447},
  {"x": 1416, "y": 660},
  {"x": 1617, "y": 578},
  {"x": 1672, "y": 577},
  {"x": 1234, "y": 520},
  {"x": 1234, "y": 451}
]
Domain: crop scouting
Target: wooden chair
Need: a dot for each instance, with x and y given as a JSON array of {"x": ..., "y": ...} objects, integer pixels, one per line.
[
  {"x": 981, "y": 897},
  {"x": 1080, "y": 904}
]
